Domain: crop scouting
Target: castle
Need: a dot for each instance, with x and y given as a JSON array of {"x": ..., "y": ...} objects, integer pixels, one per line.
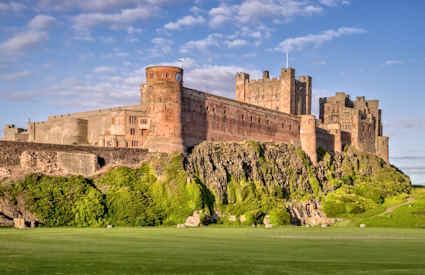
[{"x": 173, "y": 118}]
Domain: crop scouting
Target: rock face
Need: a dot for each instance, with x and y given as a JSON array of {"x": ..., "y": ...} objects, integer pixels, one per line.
[
  {"x": 10, "y": 211},
  {"x": 269, "y": 163},
  {"x": 308, "y": 212},
  {"x": 5, "y": 221},
  {"x": 283, "y": 167}
]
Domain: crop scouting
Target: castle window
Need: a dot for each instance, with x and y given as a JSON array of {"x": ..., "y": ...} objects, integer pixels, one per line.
[
  {"x": 143, "y": 121},
  {"x": 132, "y": 131},
  {"x": 132, "y": 119},
  {"x": 277, "y": 108},
  {"x": 134, "y": 143}
]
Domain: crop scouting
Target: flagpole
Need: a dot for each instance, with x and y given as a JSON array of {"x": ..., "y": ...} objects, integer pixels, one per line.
[{"x": 287, "y": 58}]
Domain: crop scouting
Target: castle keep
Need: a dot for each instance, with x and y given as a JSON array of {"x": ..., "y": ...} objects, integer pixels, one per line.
[{"x": 174, "y": 118}]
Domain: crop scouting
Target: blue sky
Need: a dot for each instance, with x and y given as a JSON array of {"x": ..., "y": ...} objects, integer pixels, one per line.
[{"x": 66, "y": 56}]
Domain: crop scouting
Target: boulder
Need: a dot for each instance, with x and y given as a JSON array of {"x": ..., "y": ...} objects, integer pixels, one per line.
[
  {"x": 266, "y": 220},
  {"x": 232, "y": 218},
  {"x": 19, "y": 223},
  {"x": 194, "y": 220},
  {"x": 325, "y": 225},
  {"x": 363, "y": 225}
]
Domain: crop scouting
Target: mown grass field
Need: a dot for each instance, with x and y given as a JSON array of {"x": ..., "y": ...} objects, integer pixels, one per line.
[{"x": 213, "y": 250}]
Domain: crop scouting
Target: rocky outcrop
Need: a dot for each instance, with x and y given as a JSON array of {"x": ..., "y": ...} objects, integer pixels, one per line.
[
  {"x": 287, "y": 169},
  {"x": 275, "y": 164},
  {"x": 308, "y": 212},
  {"x": 15, "y": 209},
  {"x": 5, "y": 221}
]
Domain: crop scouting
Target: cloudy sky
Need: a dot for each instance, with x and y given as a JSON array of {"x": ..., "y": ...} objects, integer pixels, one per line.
[{"x": 65, "y": 56}]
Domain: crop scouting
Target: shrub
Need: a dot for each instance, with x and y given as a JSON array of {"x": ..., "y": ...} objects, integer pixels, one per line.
[
  {"x": 250, "y": 218},
  {"x": 344, "y": 201},
  {"x": 279, "y": 217},
  {"x": 59, "y": 201}
]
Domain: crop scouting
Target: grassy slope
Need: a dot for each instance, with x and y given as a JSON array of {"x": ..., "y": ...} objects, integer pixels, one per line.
[
  {"x": 411, "y": 215},
  {"x": 212, "y": 250}
]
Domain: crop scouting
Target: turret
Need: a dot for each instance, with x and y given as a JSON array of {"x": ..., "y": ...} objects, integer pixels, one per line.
[
  {"x": 308, "y": 87},
  {"x": 308, "y": 136},
  {"x": 162, "y": 100},
  {"x": 241, "y": 83},
  {"x": 287, "y": 78}
]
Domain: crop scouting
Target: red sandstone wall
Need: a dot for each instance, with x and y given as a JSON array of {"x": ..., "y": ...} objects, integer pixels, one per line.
[
  {"x": 366, "y": 137},
  {"x": 213, "y": 118},
  {"x": 325, "y": 140}
]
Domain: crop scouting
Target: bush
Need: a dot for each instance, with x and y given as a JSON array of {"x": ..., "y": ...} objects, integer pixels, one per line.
[
  {"x": 250, "y": 218},
  {"x": 279, "y": 217},
  {"x": 59, "y": 201},
  {"x": 344, "y": 201}
]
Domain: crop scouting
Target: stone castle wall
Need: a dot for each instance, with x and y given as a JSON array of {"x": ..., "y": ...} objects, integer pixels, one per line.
[
  {"x": 214, "y": 118},
  {"x": 11, "y": 151},
  {"x": 172, "y": 118},
  {"x": 285, "y": 94}
]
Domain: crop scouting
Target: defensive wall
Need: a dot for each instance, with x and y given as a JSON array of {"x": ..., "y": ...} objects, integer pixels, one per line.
[
  {"x": 11, "y": 152},
  {"x": 214, "y": 118}
]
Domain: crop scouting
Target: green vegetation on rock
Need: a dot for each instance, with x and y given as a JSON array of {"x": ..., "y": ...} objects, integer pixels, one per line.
[{"x": 245, "y": 181}]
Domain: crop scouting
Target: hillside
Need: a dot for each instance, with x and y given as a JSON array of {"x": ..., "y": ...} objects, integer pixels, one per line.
[{"x": 228, "y": 183}]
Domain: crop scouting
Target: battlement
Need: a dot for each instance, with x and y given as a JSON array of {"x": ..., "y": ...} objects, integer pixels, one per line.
[{"x": 284, "y": 94}]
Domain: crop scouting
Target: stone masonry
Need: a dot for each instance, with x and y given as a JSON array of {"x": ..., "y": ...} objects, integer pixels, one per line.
[{"x": 174, "y": 118}]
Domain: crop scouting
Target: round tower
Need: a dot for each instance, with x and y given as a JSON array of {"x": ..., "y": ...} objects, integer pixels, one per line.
[{"x": 162, "y": 99}]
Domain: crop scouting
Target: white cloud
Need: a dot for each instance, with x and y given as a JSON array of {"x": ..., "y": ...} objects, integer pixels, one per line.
[
  {"x": 394, "y": 62},
  {"x": 15, "y": 76},
  {"x": 161, "y": 46},
  {"x": 252, "y": 11},
  {"x": 184, "y": 22},
  {"x": 32, "y": 35},
  {"x": 220, "y": 15},
  {"x": 196, "y": 10},
  {"x": 104, "y": 69},
  {"x": 203, "y": 44},
  {"x": 41, "y": 22},
  {"x": 236, "y": 43},
  {"x": 96, "y": 5},
  {"x": 133, "y": 30},
  {"x": 332, "y": 3},
  {"x": 299, "y": 43},
  {"x": 24, "y": 40},
  {"x": 11, "y": 7},
  {"x": 219, "y": 80},
  {"x": 84, "y": 21}
]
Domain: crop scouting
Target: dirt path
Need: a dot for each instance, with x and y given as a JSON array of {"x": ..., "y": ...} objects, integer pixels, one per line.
[{"x": 394, "y": 207}]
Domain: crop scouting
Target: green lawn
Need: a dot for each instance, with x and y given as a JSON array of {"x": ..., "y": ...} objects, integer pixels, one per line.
[{"x": 213, "y": 250}]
